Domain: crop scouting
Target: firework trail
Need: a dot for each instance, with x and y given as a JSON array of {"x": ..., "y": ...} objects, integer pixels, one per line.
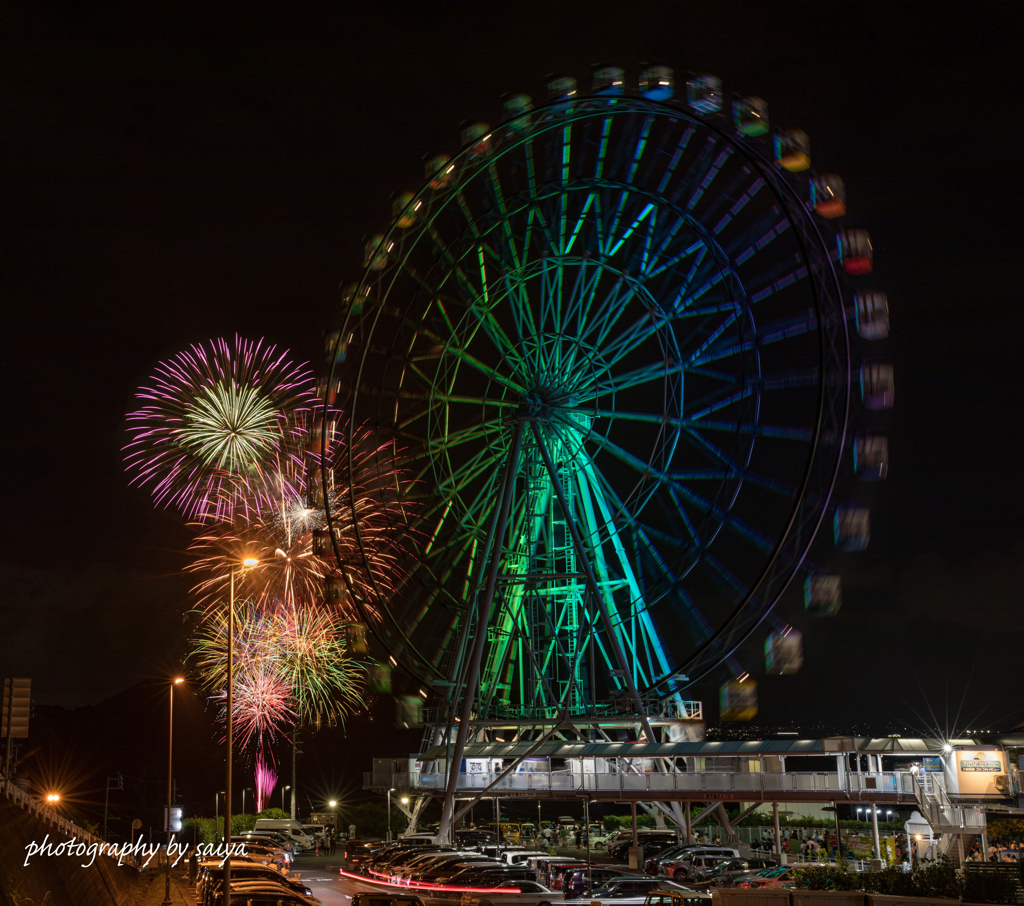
[
  {"x": 215, "y": 425},
  {"x": 266, "y": 780}
]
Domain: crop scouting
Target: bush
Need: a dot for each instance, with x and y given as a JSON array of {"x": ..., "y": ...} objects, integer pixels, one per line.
[
  {"x": 993, "y": 883},
  {"x": 827, "y": 877},
  {"x": 203, "y": 830},
  {"x": 273, "y": 813}
]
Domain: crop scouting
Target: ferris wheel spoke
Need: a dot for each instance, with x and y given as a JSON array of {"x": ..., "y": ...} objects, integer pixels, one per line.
[
  {"x": 685, "y": 493},
  {"x": 741, "y": 203},
  {"x": 592, "y": 494},
  {"x": 724, "y": 578},
  {"x": 635, "y": 378},
  {"x": 777, "y": 331},
  {"x": 726, "y": 323},
  {"x": 499, "y": 195},
  {"x": 709, "y": 177}
]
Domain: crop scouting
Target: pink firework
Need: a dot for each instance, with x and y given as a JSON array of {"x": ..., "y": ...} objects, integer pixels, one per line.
[
  {"x": 260, "y": 705},
  {"x": 266, "y": 780},
  {"x": 217, "y": 426}
]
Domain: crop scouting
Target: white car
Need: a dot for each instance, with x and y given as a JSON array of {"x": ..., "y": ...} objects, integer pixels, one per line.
[
  {"x": 532, "y": 894},
  {"x": 520, "y": 856}
]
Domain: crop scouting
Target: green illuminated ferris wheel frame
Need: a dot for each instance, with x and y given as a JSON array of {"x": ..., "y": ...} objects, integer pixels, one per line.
[{"x": 605, "y": 352}]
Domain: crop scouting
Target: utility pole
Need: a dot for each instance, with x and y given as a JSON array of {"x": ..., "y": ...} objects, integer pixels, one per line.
[{"x": 118, "y": 784}]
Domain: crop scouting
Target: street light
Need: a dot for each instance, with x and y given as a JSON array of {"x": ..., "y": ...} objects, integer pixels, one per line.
[
  {"x": 53, "y": 797},
  {"x": 247, "y": 563},
  {"x": 216, "y": 808},
  {"x": 245, "y": 789},
  {"x": 283, "y": 790},
  {"x": 170, "y": 753},
  {"x": 390, "y": 791}
]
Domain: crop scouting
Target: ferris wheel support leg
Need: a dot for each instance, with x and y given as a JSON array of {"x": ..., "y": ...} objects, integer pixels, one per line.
[
  {"x": 508, "y": 487},
  {"x": 588, "y": 570}
]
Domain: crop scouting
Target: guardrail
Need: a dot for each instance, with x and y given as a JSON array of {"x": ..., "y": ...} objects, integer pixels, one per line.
[
  {"x": 755, "y": 783},
  {"x": 46, "y": 813}
]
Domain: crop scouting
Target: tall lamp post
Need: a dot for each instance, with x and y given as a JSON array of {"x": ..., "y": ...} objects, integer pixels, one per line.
[
  {"x": 390, "y": 791},
  {"x": 170, "y": 752},
  {"x": 247, "y": 563},
  {"x": 284, "y": 790},
  {"x": 216, "y": 809}
]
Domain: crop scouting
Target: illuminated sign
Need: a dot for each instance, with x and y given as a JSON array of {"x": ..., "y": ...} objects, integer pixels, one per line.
[{"x": 980, "y": 765}]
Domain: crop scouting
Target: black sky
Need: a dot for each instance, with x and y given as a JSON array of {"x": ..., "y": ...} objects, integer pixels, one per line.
[{"x": 172, "y": 173}]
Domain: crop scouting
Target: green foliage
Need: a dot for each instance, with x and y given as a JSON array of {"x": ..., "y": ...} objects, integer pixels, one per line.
[
  {"x": 613, "y": 823},
  {"x": 203, "y": 830},
  {"x": 938, "y": 878},
  {"x": 1003, "y": 830},
  {"x": 242, "y": 823},
  {"x": 837, "y": 876},
  {"x": 371, "y": 819},
  {"x": 273, "y": 813}
]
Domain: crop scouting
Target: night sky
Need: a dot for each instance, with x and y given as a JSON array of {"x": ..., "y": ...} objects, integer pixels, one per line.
[{"x": 173, "y": 173}]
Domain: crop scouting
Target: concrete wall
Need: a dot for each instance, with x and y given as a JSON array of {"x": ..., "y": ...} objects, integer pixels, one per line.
[{"x": 104, "y": 883}]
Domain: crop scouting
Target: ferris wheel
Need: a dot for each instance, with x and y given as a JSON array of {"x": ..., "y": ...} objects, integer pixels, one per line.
[{"x": 605, "y": 353}]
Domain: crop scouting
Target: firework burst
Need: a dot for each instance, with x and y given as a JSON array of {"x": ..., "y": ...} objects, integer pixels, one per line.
[
  {"x": 215, "y": 425},
  {"x": 293, "y": 545},
  {"x": 291, "y": 666}
]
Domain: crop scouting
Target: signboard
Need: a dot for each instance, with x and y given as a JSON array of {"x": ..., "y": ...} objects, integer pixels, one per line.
[
  {"x": 931, "y": 763},
  {"x": 175, "y": 820},
  {"x": 977, "y": 765},
  {"x": 17, "y": 704},
  {"x": 972, "y": 771}
]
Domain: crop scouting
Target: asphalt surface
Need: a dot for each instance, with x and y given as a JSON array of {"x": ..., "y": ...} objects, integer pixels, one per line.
[{"x": 321, "y": 874}]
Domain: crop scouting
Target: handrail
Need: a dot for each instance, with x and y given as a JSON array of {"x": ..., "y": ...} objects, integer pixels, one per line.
[
  {"x": 46, "y": 813},
  {"x": 754, "y": 782}
]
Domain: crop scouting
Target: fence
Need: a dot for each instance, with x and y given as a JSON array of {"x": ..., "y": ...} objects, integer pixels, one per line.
[
  {"x": 46, "y": 813},
  {"x": 766, "y": 785}
]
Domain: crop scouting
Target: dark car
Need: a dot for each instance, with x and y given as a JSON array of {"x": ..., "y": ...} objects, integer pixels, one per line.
[
  {"x": 359, "y": 852},
  {"x": 652, "y": 843},
  {"x": 245, "y": 882},
  {"x": 578, "y": 882},
  {"x": 384, "y": 899},
  {"x": 269, "y": 895},
  {"x": 489, "y": 877},
  {"x": 722, "y": 875}
]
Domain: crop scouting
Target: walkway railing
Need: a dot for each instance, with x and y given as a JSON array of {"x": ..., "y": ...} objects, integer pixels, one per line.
[
  {"x": 46, "y": 813},
  {"x": 754, "y": 783}
]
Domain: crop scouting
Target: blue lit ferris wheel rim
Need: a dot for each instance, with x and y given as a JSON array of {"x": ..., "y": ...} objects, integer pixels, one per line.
[{"x": 822, "y": 433}]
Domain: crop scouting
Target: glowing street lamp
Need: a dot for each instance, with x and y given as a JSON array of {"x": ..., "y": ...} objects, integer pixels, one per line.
[
  {"x": 170, "y": 752},
  {"x": 53, "y": 797},
  {"x": 247, "y": 563}
]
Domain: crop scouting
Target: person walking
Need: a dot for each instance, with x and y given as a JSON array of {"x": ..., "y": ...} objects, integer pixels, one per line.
[{"x": 334, "y": 841}]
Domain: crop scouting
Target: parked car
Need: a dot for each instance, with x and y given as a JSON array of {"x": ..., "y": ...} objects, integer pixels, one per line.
[
  {"x": 665, "y": 896},
  {"x": 211, "y": 879},
  {"x": 530, "y": 894},
  {"x": 771, "y": 877},
  {"x": 261, "y": 886},
  {"x": 577, "y": 882},
  {"x": 270, "y": 893},
  {"x": 626, "y": 891},
  {"x": 383, "y": 899},
  {"x": 722, "y": 874},
  {"x": 488, "y": 877},
  {"x": 651, "y": 842},
  {"x": 694, "y": 860},
  {"x": 520, "y": 856},
  {"x": 358, "y": 853}
]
